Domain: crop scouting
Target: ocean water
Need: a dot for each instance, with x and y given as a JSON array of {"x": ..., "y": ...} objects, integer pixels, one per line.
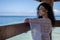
[{"x": 8, "y": 20}]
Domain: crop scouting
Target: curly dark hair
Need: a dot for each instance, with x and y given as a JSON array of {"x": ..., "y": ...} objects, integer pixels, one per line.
[{"x": 50, "y": 12}]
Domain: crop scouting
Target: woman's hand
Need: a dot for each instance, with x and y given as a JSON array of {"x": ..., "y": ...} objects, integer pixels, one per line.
[{"x": 27, "y": 20}]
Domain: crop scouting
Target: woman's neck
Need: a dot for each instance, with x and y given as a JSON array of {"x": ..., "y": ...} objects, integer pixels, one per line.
[{"x": 45, "y": 16}]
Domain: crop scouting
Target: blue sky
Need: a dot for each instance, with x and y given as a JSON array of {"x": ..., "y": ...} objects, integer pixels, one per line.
[{"x": 22, "y": 7}]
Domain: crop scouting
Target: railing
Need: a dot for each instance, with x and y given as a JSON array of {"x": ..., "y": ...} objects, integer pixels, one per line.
[{"x": 9, "y": 31}]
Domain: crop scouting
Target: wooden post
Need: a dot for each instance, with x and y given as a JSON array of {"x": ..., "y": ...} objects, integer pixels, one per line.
[{"x": 51, "y": 3}]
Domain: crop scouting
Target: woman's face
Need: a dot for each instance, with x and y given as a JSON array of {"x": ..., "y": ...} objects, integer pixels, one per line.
[{"x": 42, "y": 11}]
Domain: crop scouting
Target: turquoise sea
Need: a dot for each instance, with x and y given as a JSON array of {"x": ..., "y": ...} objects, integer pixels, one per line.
[{"x": 8, "y": 20}]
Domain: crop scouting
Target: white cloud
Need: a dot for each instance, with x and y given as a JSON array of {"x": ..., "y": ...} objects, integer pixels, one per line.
[
  {"x": 18, "y": 14},
  {"x": 26, "y": 13},
  {"x": 57, "y": 12}
]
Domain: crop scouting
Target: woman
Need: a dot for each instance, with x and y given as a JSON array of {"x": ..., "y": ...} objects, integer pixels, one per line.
[{"x": 44, "y": 10}]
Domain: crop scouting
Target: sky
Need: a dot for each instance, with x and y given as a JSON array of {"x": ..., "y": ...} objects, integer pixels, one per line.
[{"x": 22, "y": 7}]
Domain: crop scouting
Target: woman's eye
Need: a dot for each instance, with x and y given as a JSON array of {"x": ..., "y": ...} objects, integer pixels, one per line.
[{"x": 44, "y": 10}]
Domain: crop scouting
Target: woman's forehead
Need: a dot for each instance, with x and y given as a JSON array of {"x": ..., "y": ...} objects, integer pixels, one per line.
[{"x": 41, "y": 7}]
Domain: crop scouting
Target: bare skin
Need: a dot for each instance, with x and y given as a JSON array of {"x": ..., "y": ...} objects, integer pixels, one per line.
[{"x": 43, "y": 12}]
